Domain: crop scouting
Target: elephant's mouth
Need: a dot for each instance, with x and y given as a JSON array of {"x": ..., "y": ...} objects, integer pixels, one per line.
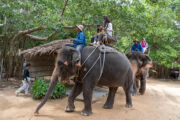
[{"x": 67, "y": 72}]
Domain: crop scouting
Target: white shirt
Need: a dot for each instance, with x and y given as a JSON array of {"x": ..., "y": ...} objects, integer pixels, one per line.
[{"x": 109, "y": 29}]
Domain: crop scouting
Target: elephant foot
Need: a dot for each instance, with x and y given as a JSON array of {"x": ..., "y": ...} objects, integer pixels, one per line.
[
  {"x": 142, "y": 91},
  {"x": 86, "y": 113},
  {"x": 36, "y": 113},
  {"x": 128, "y": 105},
  {"x": 69, "y": 108},
  {"x": 106, "y": 106},
  {"x": 134, "y": 92}
]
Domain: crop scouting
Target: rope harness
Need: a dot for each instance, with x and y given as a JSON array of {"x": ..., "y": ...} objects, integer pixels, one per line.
[{"x": 98, "y": 58}]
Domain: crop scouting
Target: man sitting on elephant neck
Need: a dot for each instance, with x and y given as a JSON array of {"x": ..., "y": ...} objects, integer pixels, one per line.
[
  {"x": 79, "y": 42},
  {"x": 136, "y": 47}
]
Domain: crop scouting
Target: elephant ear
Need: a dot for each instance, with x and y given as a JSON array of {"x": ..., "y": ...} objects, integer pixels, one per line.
[
  {"x": 75, "y": 55},
  {"x": 145, "y": 60}
]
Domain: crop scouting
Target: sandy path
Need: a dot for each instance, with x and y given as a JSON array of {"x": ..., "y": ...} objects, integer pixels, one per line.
[{"x": 160, "y": 102}]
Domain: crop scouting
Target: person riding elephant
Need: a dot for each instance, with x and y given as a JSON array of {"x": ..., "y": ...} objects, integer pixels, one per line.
[
  {"x": 136, "y": 47},
  {"x": 107, "y": 36},
  {"x": 112, "y": 70},
  {"x": 145, "y": 46},
  {"x": 100, "y": 31},
  {"x": 79, "y": 42},
  {"x": 108, "y": 26}
]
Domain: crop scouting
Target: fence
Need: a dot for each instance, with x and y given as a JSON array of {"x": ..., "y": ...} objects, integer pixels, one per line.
[{"x": 159, "y": 71}]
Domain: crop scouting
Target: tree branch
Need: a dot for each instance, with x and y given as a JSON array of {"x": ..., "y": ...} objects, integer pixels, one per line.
[
  {"x": 74, "y": 27},
  {"x": 69, "y": 27},
  {"x": 19, "y": 34},
  {"x": 26, "y": 32},
  {"x": 62, "y": 13},
  {"x": 40, "y": 38}
]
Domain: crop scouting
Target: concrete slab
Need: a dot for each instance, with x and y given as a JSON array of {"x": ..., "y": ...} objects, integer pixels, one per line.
[{"x": 98, "y": 93}]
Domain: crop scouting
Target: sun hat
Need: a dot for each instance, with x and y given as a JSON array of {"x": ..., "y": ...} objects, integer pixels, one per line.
[
  {"x": 135, "y": 40},
  {"x": 80, "y": 27}
]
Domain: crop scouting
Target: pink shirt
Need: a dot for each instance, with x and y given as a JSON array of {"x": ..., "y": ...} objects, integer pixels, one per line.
[{"x": 143, "y": 44}]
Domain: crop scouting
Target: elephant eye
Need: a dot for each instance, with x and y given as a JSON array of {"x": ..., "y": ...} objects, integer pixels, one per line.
[{"x": 60, "y": 62}]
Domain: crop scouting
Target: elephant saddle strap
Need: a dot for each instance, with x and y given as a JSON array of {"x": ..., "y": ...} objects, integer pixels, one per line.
[
  {"x": 107, "y": 49},
  {"x": 102, "y": 62}
]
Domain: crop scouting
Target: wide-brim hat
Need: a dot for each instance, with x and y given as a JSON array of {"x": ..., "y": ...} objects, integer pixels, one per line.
[
  {"x": 80, "y": 27},
  {"x": 135, "y": 40}
]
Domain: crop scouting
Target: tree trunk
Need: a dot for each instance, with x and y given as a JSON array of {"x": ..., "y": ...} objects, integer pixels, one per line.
[{"x": 1, "y": 69}]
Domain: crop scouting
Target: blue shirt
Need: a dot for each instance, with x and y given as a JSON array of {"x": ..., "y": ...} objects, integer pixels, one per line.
[
  {"x": 137, "y": 48},
  {"x": 80, "y": 39}
]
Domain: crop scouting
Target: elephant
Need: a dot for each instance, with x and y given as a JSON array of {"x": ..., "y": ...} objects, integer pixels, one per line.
[
  {"x": 140, "y": 63},
  {"x": 117, "y": 72}
]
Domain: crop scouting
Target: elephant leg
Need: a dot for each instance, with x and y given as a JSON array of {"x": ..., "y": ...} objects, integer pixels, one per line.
[
  {"x": 88, "y": 86},
  {"x": 135, "y": 93},
  {"x": 110, "y": 100},
  {"x": 134, "y": 88},
  {"x": 137, "y": 83},
  {"x": 142, "y": 86},
  {"x": 77, "y": 89},
  {"x": 143, "y": 83},
  {"x": 128, "y": 97}
]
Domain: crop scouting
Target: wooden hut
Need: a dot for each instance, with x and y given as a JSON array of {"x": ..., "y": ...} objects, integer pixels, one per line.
[{"x": 42, "y": 58}]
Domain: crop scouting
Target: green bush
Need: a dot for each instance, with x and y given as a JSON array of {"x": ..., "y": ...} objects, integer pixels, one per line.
[{"x": 40, "y": 87}]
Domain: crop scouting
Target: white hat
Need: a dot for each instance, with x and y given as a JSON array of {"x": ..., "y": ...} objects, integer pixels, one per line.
[{"x": 80, "y": 27}]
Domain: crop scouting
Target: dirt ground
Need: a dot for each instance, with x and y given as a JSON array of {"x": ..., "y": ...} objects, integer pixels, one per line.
[{"x": 160, "y": 102}]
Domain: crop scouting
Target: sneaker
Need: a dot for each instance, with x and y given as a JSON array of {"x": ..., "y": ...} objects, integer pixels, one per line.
[
  {"x": 116, "y": 37},
  {"x": 16, "y": 93},
  {"x": 91, "y": 44},
  {"x": 98, "y": 43}
]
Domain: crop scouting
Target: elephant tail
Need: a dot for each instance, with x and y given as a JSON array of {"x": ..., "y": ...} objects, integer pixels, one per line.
[{"x": 52, "y": 86}]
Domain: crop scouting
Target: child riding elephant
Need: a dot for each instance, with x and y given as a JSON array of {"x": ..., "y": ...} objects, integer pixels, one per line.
[{"x": 100, "y": 31}]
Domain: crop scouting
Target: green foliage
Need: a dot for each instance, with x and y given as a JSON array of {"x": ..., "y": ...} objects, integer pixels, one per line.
[
  {"x": 154, "y": 20},
  {"x": 40, "y": 87}
]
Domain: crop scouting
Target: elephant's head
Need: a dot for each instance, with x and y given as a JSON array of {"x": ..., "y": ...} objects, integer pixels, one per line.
[
  {"x": 65, "y": 67},
  {"x": 145, "y": 62},
  {"x": 141, "y": 60},
  {"x": 66, "y": 63}
]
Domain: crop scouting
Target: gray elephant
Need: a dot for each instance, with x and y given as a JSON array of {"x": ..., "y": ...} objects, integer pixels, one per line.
[
  {"x": 140, "y": 64},
  {"x": 117, "y": 72}
]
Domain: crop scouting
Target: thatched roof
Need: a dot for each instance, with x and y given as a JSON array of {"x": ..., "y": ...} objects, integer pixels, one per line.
[{"x": 49, "y": 48}]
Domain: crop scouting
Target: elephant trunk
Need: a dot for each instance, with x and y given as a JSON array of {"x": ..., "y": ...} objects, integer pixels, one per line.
[{"x": 54, "y": 80}]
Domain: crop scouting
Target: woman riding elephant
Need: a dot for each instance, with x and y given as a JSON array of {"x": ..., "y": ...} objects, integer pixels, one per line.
[{"x": 145, "y": 46}]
